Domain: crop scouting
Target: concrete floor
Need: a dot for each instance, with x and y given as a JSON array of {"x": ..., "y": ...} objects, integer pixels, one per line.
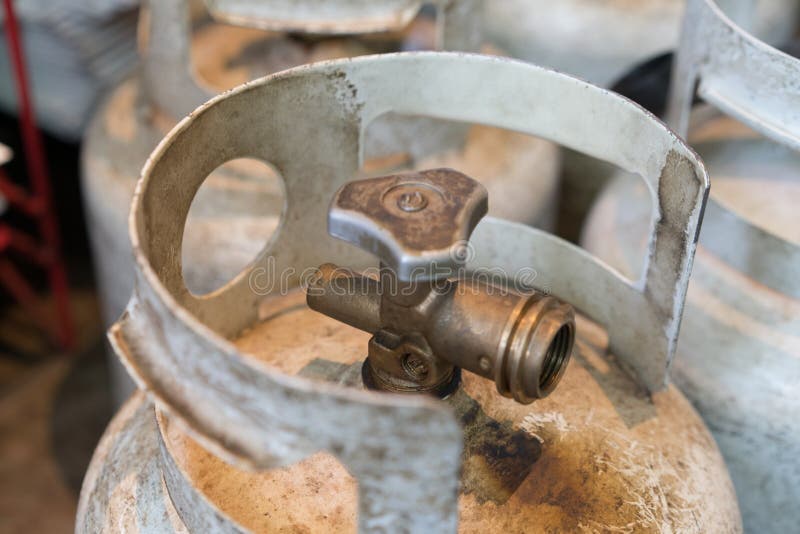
[{"x": 53, "y": 409}]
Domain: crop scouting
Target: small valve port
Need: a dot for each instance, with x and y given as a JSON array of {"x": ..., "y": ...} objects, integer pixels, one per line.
[
  {"x": 535, "y": 352},
  {"x": 557, "y": 358}
]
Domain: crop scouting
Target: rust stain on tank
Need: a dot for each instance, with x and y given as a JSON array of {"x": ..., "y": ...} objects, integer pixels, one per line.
[{"x": 497, "y": 457}]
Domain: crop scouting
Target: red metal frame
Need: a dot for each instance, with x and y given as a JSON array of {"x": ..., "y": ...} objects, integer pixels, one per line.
[{"x": 38, "y": 204}]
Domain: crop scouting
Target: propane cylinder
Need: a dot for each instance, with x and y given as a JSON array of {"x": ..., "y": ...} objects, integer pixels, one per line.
[
  {"x": 239, "y": 207},
  {"x": 600, "y": 40},
  {"x": 261, "y": 412},
  {"x": 738, "y": 356}
]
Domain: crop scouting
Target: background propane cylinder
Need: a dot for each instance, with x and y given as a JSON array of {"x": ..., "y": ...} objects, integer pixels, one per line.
[
  {"x": 600, "y": 41},
  {"x": 240, "y": 204},
  {"x": 261, "y": 422},
  {"x": 738, "y": 355}
]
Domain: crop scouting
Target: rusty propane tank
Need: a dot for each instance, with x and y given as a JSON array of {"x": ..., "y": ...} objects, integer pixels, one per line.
[
  {"x": 738, "y": 357},
  {"x": 185, "y": 60},
  {"x": 256, "y": 417}
]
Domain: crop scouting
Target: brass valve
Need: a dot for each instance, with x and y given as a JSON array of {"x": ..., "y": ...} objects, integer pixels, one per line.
[{"x": 428, "y": 318}]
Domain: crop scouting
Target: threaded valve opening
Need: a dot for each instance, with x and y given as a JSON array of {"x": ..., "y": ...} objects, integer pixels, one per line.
[
  {"x": 536, "y": 349},
  {"x": 556, "y": 359}
]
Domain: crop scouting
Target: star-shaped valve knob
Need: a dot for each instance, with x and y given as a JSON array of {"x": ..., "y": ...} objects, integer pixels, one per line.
[{"x": 418, "y": 223}]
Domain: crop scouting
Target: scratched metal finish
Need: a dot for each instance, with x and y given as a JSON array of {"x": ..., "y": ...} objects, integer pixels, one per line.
[
  {"x": 348, "y": 16},
  {"x": 308, "y": 122},
  {"x": 598, "y": 455},
  {"x": 166, "y": 68},
  {"x": 123, "y": 490},
  {"x": 236, "y": 209},
  {"x": 601, "y": 40},
  {"x": 239, "y": 210},
  {"x": 758, "y": 85},
  {"x": 738, "y": 356}
]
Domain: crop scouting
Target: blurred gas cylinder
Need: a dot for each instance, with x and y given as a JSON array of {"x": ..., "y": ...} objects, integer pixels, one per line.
[
  {"x": 738, "y": 356},
  {"x": 255, "y": 416},
  {"x": 187, "y": 59},
  {"x": 600, "y": 41}
]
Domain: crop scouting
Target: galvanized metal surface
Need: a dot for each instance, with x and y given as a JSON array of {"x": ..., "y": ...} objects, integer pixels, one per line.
[
  {"x": 124, "y": 490},
  {"x": 355, "y": 16},
  {"x": 737, "y": 73},
  {"x": 309, "y": 123},
  {"x": 352, "y": 16},
  {"x": 598, "y": 455},
  {"x": 598, "y": 40},
  {"x": 240, "y": 209},
  {"x": 738, "y": 356},
  {"x": 119, "y": 141},
  {"x": 757, "y": 84},
  {"x": 235, "y": 210},
  {"x": 601, "y": 40},
  {"x": 167, "y": 71}
]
